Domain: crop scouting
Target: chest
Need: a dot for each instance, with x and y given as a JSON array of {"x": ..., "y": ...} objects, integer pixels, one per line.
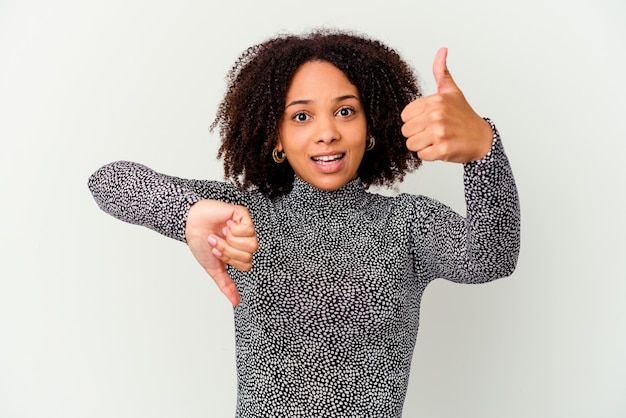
[{"x": 330, "y": 273}]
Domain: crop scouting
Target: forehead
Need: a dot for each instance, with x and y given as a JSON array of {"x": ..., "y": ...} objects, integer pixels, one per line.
[{"x": 319, "y": 78}]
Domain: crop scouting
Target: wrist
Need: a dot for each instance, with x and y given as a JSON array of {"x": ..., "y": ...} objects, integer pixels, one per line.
[{"x": 487, "y": 138}]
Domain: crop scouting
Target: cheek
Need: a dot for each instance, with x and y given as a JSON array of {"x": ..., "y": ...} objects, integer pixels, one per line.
[{"x": 292, "y": 138}]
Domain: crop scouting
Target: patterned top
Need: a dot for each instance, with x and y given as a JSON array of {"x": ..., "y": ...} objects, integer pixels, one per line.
[{"x": 330, "y": 309}]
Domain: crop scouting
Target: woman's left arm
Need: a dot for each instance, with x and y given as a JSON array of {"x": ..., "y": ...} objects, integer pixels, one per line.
[
  {"x": 484, "y": 245},
  {"x": 492, "y": 239}
]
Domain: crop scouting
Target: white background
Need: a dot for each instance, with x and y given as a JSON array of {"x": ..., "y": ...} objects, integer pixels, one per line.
[{"x": 103, "y": 319}]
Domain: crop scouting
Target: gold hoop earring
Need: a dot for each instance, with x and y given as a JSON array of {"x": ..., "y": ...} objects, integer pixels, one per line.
[
  {"x": 371, "y": 142},
  {"x": 278, "y": 156}
]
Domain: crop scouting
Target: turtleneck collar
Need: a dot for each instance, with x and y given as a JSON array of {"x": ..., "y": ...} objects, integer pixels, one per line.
[{"x": 308, "y": 197}]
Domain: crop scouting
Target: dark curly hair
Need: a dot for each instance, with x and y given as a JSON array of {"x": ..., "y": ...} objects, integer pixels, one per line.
[{"x": 249, "y": 115}]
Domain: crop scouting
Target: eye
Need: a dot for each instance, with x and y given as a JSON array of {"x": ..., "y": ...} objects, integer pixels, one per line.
[
  {"x": 345, "y": 111},
  {"x": 300, "y": 117}
]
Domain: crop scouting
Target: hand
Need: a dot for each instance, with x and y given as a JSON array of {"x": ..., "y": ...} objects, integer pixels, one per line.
[
  {"x": 217, "y": 234},
  {"x": 444, "y": 126}
]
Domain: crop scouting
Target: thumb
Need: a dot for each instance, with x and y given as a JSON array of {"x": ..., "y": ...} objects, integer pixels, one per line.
[
  {"x": 225, "y": 284},
  {"x": 445, "y": 83}
]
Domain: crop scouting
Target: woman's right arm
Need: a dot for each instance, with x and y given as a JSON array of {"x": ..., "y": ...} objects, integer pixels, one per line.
[
  {"x": 139, "y": 195},
  {"x": 204, "y": 214}
]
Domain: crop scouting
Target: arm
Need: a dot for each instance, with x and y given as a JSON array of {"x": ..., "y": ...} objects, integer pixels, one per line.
[
  {"x": 136, "y": 194},
  {"x": 485, "y": 245},
  {"x": 218, "y": 230},
  {"x": 493, "y": 215}
]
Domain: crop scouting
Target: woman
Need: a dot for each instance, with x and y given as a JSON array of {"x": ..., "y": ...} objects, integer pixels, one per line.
[{"x": 326, "y": 278}]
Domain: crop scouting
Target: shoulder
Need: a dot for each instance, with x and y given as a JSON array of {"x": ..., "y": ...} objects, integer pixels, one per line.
[
  {"x": 406, "y": 205},
  {"x": 412, "y": 202}
]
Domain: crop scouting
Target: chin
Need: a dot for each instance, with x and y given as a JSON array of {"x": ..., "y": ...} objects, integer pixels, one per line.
[{"x": 331, "y": 186}]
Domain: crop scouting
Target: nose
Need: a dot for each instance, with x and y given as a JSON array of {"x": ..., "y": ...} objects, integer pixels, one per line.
[{"x": 327, "y": 130}]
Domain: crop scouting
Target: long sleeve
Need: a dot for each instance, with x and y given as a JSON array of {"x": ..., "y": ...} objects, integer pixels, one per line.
[
  {"x": 485, "y": 244},
  {"x": 139, "y": 195}
]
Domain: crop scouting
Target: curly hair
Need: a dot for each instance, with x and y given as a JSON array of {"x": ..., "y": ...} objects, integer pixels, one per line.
[{"x": 248, "y": 117}]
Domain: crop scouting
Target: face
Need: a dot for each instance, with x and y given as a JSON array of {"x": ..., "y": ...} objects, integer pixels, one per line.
[{"x": 323, "y": 129}]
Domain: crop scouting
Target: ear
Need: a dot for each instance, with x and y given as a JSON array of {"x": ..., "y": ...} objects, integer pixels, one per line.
[{"x": 279, "y": 144}]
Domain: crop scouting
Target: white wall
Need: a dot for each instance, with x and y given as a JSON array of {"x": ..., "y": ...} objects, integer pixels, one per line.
[{"x": 103, "y": 319}]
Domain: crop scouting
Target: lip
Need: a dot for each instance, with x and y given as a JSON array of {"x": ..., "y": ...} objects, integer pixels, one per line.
[{"x": 329, "y": 162}]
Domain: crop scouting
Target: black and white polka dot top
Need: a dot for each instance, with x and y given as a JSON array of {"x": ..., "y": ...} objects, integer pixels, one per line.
[{"x": 330, "y": 310}]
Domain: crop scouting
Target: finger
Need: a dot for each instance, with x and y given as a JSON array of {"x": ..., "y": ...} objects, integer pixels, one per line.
[
  {"x": 240, "y": 229},
  {"x": 241, "y": 215},
  {"x": 226, "y": 252},
  {"x": 418, "y": 143},
  {"x": 238, "y": 258},
  {"x": 242, "y": 237},
  {"x": 226, "y": 285},
  {"x": 414, "y": 127},
  {"x": 247, "y": 244},
  {"x": 414, "y": 109},
  {"x": 445, "y": 83},
  {"x": 429, "y": 153}
]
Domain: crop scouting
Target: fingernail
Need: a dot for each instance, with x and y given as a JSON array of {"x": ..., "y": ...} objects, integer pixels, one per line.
[
  {"x": 217, "y": 252},
  {"x": 212, "y": 240}
]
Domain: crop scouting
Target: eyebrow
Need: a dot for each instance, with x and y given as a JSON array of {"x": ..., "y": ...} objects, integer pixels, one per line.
[{"x": 337, "y": 99}]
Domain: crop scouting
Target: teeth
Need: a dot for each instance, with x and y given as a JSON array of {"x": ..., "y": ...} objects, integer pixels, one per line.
[{"x": 327, "y": 158}]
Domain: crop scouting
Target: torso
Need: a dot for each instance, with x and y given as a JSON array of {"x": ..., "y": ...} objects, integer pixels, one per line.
[{"x": 330, "y": 310}]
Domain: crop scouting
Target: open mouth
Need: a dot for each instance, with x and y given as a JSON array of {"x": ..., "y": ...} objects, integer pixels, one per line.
[{"x": 328, "y": 159}]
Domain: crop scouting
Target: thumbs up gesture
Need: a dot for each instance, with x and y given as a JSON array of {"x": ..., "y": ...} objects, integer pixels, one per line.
[{"x": 444, "y": 126}]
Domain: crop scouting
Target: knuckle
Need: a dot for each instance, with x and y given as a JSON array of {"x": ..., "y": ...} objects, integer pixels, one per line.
[
  {"x": 444, "y": 151},
  {"x": 247, "y": 259},
  {"x": 437, "y": 116},
  {"x": 440, "y": 132},
  {"x": 438, "y": 99}
]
